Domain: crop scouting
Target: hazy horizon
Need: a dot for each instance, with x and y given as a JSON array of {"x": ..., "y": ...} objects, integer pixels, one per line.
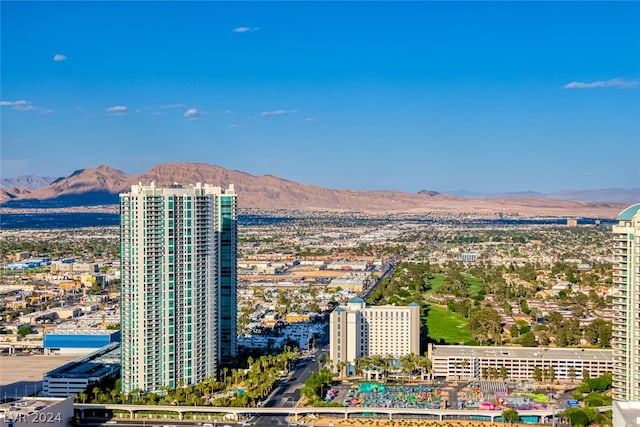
[{"x": 456, "y": 192}]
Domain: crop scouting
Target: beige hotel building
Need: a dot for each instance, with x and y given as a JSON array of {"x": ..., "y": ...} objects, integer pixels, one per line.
[{"x": 356, "y": 330}]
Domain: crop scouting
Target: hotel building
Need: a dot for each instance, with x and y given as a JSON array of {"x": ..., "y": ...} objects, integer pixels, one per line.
[
  {"x": 626, "y": 306},
  {"x": 356, "y": 330},
  {"x": 178, "y": 284}
]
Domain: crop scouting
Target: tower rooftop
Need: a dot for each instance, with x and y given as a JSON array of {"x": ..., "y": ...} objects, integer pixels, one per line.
[{"x": 629, "y": 213}]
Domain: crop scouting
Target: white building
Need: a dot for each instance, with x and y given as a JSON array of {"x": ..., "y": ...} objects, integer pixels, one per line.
[
  {"x": 480, "y": 362},
  {"x": 626, "y": 414},
  {"x": 356, "y": 330},
  {"x": 302, "y": 333},
  {"x": 36, "y": 412},
  {"x": 626, "y": 300},
  {"x": 74, "y": 377}
]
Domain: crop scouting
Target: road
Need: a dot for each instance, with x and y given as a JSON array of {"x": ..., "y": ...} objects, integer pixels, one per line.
[
  {"x": 285, "y": 395},
  {"x": 288, "y": 391},
  {"x": 388, "y": 269},
  {"x": 158, "y": 423}
]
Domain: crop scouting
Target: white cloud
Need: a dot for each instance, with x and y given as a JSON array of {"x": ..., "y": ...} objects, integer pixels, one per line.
[
  {"x": 310, "y": 119},
  {"x": 234, "y": 126},
  {"x": 59, "y": 57},
  {"x": 619, "y": 83},
  {"x": 14, "y": 103},
  {"x": 277, "y": 113},
  {"x": 245, "y": 29},
  {"x": 117, "y": 109},
  {"x": 22, "y": 105},
  {"x": 192, "y": 113}
]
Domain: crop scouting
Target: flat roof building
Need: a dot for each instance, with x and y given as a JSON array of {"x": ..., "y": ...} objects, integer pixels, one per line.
[
  {"x": 484, "y": 362},
  {"x": 78, "y": 341},
  {"x": 36, "y": 412},
  {"x": 75, "y": 376},
  {"x": 626, "y": 414}
]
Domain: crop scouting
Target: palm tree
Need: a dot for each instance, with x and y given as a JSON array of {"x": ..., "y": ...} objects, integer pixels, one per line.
[
  {"x": 425, "y": 365},
  {"x": 136, "y": 392},
  {"x": 464, "y": 364},
  {"x": 340, "y": 367},
  {"x": 408, "y": 363}
]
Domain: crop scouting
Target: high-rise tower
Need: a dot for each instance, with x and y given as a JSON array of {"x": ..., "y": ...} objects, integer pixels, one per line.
[
  {"x": 178, "y": 283},
  {"x": 626, "y": 305},
  {"x": 356, "y": 330}
]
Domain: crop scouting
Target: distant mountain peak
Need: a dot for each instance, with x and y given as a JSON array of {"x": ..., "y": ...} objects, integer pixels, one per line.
[{"x": 101, "y": 185}]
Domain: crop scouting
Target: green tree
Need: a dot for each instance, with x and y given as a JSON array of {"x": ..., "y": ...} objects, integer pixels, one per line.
[
  {"x": 555, "y": 319},
  {"x": 528, "y": 340},
  {"x": 510, "y": 415},
  {"x": 485, "y": 324},
  {"x": 576, "y": 416},
  {"x": 537, "y": 374},
  {"x": 514, "y": 331},
  {"x": 24, "y": 330},
  {"x": 599, "y": 333}
]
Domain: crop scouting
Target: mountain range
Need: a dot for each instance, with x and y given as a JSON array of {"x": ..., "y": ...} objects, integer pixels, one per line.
[{"x": 101, "y": 186}]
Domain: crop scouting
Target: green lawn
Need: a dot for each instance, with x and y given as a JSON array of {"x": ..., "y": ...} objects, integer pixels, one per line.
[
  {"x": 474, "y": 284},
  {"x": 442, "y": 324},
  {"x": 536, "y": 397},
  {"x": 435, "y": 282}
]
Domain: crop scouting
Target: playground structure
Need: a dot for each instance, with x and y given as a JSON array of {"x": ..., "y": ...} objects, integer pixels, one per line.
[{"x": 383, "y": 396}]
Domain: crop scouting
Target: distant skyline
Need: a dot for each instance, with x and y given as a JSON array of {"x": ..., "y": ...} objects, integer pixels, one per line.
[{"x": 446, "y": 96}]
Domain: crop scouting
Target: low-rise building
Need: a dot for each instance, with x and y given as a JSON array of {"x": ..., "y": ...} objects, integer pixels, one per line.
[
  {"x": 78, "y": 341},
  {"x": 36, "y": 412},
  {"x": 476, "y": 362},
  {"x": 74, "y": 377}
]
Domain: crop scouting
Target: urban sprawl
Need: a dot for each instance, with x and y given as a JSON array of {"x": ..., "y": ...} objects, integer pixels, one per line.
[{"x": 191, "y": 313}]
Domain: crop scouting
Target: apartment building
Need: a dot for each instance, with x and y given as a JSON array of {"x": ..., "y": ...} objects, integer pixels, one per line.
[
  {"x": 178, "y": 283},
  {"x": 626, "y": 305}
]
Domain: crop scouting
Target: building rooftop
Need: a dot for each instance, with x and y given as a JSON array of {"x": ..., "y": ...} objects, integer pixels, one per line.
[
  {"x": 83, "y": 331},
  {"x": 26, "y": 406},
  {"x": 629, "y": 212},
  {"x": 521, "y": 352},
  {"x": 629, "y": 412},
  {"x": 92, "y": 365}
]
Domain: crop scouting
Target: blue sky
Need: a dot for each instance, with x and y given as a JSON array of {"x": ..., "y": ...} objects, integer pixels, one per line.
[{"x": 480, "y": 96}]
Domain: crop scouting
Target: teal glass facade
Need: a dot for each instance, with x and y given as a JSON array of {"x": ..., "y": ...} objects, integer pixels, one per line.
[{"x": 171, "y": 284}]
